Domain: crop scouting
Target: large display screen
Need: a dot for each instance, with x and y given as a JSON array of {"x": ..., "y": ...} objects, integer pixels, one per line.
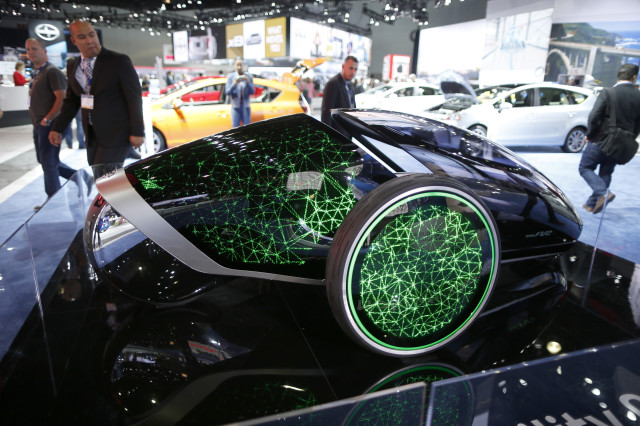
[
  {"x": 592, "y": 51},
  {"x": 197, "y": 45},
  {"x": 312, "y": 40},
  {"x": 456, "y": 47},
  {"x": 515, "y": 48}
]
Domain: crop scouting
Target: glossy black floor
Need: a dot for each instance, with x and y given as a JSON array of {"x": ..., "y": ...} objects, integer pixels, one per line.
[{"x": 254, "y": 348}]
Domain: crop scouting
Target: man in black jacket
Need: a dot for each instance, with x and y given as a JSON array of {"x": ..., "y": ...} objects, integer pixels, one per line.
[
  {"x": 105, "y": 85},
  {"x": 339, "y": 91},
  {"x": 627, "y": 106}
]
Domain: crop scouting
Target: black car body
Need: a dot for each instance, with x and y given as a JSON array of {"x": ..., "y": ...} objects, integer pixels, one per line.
[{"x": 406, "y": 223}]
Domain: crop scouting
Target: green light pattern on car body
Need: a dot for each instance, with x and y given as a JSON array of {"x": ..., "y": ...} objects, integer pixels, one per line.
[
  {"x": 263, "y": 195},
  {"x": 420, "y": 272}
]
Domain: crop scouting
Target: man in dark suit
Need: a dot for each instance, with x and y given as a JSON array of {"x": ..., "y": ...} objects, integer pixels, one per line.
[
  {"x": 339, "y": 91},
  {"x": 105, "y": 85},
  {"x": 627, "y": 108}
]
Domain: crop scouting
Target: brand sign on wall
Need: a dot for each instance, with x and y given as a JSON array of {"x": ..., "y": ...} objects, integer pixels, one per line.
[
  {"x": 52, "y": 34},
  {"x": 235, "y": 40},
  {"x": 275, "y": 37}
]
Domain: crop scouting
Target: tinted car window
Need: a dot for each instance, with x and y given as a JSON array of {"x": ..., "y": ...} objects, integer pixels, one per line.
[
  {"x": 264, "y": 94},
  {"x": 552, "y": 97},
  {"x": 212, "y": 94},
  {"x": 575, "y": 97},
  {"x": 427, "y": 91},
  {"x": 407, "y": 91},
  {"x": 521, "y": 98}
]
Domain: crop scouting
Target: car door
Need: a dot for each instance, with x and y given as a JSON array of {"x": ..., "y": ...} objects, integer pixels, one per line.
[
  {"x": 514, "y": 125},
  {"x": 202, "y": 111},
  {"x": 554, "y": 115},
  {"x": 263, "y": 104}
]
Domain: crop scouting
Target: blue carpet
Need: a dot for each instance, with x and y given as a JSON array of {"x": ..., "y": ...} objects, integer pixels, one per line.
[{"x": 616, "y": 229}]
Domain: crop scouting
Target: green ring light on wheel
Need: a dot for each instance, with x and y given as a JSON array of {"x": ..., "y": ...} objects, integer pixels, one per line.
[{"x": 402, "y": 313}]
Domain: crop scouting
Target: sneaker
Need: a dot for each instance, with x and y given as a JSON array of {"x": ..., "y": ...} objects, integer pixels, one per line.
[
  {"x": 587, "y": 208},
  {"x": 601, "y": 202}
]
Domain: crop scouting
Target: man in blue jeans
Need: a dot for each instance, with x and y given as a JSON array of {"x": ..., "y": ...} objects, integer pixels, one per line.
[
  {"x": 46, "y": 94},
  {"x": 627, "y": 108},
  {"x": 68, "y": 134},
  {"x": 239, "y": 89}
]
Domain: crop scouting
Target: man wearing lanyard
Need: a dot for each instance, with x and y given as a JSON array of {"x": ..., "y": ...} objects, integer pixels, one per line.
[
  {"x": 46, "y": 94},
  {"x": 239, "y": 88},
  {"x": 105, "y": 86}
]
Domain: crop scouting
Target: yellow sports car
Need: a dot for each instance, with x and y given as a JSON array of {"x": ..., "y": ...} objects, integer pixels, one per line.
[{"x": 201, "y": 109}]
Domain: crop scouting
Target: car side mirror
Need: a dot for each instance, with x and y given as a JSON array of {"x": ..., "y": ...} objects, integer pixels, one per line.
[
  {"x": 504, "y": 105},
  {"x": 177, "y": 103}
]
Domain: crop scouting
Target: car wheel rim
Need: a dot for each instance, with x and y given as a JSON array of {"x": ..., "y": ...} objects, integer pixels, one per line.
[
  {"x": 423, "y": 268},
  {"x": 576, "y": 141},
  {"x": 156, "y": 142}
]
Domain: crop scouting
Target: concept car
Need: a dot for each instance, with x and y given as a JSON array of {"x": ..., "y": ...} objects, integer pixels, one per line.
[{"x": 406, "y": 223}]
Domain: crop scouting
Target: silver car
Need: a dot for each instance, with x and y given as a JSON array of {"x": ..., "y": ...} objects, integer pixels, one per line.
[{"x": 533, "y": 114}]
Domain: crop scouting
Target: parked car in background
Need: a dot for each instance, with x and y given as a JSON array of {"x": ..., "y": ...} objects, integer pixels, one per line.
[
  {"x": 533, "y": 114},
  {"x": 200, "y": 109},
  {"x": 404, "y": 97}
]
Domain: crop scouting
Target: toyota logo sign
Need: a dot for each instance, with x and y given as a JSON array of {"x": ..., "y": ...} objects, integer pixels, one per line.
[{"x": 47, "y": 32}]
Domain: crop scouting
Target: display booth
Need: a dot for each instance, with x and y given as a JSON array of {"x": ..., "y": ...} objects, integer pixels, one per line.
[{"x": 76, "y": 350}]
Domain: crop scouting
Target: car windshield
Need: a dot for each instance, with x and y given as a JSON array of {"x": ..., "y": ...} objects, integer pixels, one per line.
[{"x": 378, "y": 89}]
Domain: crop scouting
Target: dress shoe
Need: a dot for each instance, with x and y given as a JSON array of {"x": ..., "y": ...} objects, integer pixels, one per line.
[
  {"x": 600, "y": 203},
  {"x": 587, "y": 208}
]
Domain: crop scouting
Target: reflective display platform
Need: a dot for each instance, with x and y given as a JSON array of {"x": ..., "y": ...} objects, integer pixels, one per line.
[{"x": 76, "y": 351}]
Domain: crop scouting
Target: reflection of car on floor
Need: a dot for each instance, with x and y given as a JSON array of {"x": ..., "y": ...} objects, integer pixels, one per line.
[
  {"x": 533, "y": 114},
  {"x": 200, "y": 109},
  {"x": 406, "y": 223}
]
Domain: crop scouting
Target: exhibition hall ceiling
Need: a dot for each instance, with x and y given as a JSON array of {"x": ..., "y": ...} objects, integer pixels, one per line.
[{"x": 183, "y": 14}]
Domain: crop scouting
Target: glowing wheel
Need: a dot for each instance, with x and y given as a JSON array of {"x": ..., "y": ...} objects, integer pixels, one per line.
[{"x": 412, "y": 265}]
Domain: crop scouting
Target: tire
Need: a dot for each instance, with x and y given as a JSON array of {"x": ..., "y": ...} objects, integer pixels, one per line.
[
  {"x": 159, "y": 142},
  {"x": 412, "y": 265},
  {"x": 479, "y": 130},
  {"x": 575, "y": 140}
]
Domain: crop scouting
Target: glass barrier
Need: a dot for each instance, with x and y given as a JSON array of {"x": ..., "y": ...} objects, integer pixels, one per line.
[
  {"x": 595, "y": 386},
  {"x": 615, "y": 230},
  {"x": 27, "y": 263},
  {"x": 403, "y": 405},
  {"x": 19, "y": 298},
  {"x": 18, "y": 293}
]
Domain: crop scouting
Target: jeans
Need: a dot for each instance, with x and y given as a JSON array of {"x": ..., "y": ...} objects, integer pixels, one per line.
[
  {"x": 592, "y": 157},
  {"x": 49, "y": 158},
  {"x": 240, "y": 114},
  {"x": 68, "y": 134}
]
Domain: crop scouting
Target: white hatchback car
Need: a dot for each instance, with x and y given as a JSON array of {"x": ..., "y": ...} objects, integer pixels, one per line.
[
  {"x": 533, "y": 114},
  {"x": 402, "y": 97}
]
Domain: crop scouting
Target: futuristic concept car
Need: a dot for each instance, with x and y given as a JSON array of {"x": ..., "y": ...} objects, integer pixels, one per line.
[{"x": 406, "y": 223}]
